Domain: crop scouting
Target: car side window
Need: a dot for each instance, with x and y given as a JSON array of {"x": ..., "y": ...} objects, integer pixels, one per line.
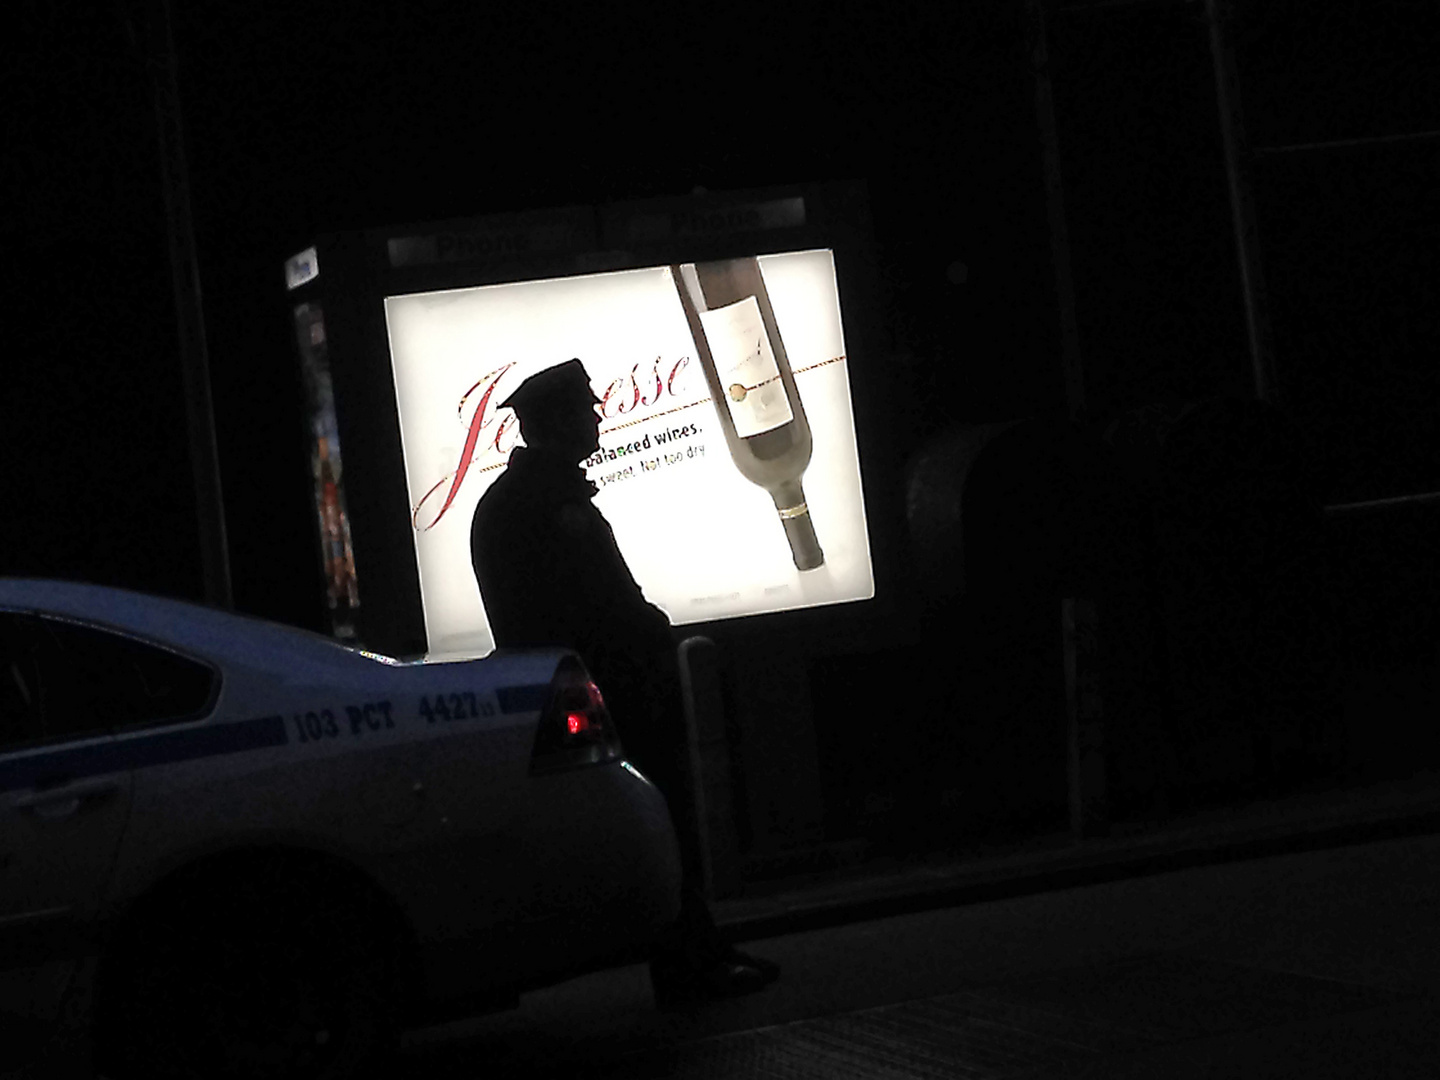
[
  {"x": 21, "y": 717},
  {"x": 72, "y": 679}
]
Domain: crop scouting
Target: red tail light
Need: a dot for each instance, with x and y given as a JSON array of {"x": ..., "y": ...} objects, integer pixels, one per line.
[{"x": 575, "y": 727}]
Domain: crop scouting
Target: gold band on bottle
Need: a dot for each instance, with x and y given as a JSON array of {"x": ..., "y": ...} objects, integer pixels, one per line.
[{"x": 788, "y": 512}]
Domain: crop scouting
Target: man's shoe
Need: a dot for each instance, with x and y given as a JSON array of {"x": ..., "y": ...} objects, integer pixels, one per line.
[
  {"x": 678, "y": 984},
  {"x": 768, "y": 968}
]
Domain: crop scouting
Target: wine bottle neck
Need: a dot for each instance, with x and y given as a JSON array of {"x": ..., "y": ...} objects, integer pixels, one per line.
[
  {"x": 799, "y": 529},
  {"x": 788, "y": 495}
]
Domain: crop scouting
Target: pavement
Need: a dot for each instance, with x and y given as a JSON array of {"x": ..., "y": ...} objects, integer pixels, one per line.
[
  {"x": 1299, "y": 938},
  {"x": 1264, "y": 827}
]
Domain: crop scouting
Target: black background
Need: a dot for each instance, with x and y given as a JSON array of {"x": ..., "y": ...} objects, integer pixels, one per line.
[
  {"x": 330, "y": 116},
  {"x": 314, "y": 118}
]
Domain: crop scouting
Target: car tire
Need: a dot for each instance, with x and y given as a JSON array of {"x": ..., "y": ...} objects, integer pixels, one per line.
[{"x": 275, "y": 977}]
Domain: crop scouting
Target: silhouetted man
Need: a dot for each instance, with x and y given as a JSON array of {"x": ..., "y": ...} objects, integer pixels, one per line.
[{"x": 551, "y": 574}]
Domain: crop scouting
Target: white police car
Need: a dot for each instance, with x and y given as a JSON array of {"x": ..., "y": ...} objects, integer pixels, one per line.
[{"x": 247, "y": 850}]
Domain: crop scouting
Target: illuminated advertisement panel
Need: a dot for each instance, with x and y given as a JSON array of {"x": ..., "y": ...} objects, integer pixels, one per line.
[{"x": 727, "y": 466}]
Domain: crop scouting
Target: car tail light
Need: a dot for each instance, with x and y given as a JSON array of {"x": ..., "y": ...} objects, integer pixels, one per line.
[{"x": 575, "y": 727}]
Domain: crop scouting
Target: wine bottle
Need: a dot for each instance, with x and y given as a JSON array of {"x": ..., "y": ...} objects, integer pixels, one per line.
[{"x": 752, "y": 387}]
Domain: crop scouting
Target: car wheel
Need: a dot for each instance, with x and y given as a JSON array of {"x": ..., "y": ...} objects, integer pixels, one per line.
[{"x": 244, "y": 982}]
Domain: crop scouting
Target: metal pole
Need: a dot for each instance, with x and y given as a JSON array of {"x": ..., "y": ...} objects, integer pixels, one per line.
[
  {"x": 189, "y": 313},
  {"x": 708, "y": 761},
  {"x": 1071, "y": 363},
  {"x": 1085, "y": 723},
  {"x": 1242, "y": 213},
  {"x": 1426, "y": 498},
  {"x": 1085, "y": 719},
  {"x": 1347, "y": 144}
]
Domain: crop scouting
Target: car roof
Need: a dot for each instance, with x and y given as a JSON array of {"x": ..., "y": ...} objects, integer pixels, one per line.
[{"x": 224, "y": 637}]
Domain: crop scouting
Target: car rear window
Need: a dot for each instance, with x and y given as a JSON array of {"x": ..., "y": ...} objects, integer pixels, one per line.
[{"x": 65, "y": 679}]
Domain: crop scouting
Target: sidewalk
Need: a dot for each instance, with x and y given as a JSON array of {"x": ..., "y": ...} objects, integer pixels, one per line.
[
  {"x": 1300, "y": 965},
  {"x": 881, "y": 888}
]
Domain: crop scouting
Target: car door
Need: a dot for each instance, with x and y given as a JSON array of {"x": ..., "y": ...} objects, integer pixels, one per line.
[{"x": 64, "y": 800}]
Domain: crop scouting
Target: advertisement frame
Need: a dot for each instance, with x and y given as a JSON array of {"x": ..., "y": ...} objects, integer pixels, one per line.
[{"x": 358, "y": 270}]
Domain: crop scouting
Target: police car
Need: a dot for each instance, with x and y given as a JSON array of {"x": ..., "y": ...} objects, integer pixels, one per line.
[{"x": 229, "y": 847}]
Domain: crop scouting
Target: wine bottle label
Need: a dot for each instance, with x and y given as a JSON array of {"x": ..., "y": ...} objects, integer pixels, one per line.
[{"x": 746, "y": 365}]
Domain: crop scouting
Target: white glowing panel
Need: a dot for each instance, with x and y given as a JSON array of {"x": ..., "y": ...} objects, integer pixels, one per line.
[{"x": 703, "y": 542}]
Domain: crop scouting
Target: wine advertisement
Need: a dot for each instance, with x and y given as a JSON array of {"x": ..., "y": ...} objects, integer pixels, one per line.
[{"x": 727, "y": 467}]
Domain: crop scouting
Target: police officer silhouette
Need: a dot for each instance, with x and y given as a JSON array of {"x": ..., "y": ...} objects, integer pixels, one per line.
[{"x": 550, "y": 573}]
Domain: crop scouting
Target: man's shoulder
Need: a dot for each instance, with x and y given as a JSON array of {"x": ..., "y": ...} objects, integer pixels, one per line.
[
  {"x": 502, "y": 506},
  {"x": 512, "y": 505}
]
